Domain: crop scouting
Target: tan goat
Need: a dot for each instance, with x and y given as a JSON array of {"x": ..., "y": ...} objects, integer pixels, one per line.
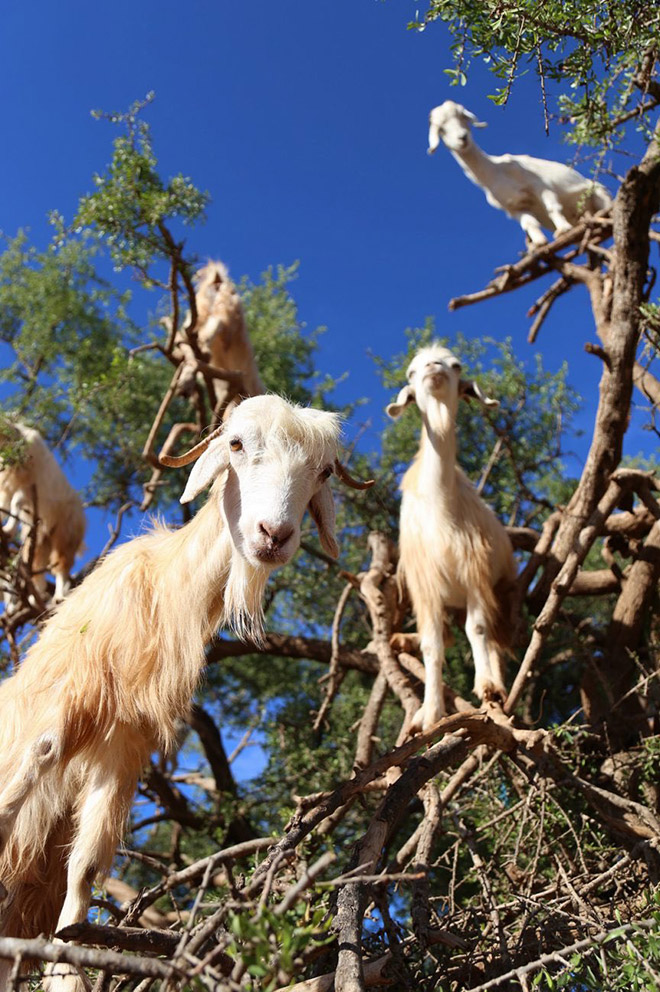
[
  {"x": 221, "y": 333},
  {"x": 454, "y": 552},
  {"x": 61, "y": 526},
  {"x": 116, "y": 666}
]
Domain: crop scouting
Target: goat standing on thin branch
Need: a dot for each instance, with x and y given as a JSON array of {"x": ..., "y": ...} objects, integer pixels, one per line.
[
  {"x": 116, "y": 666},
  {"x": 534, "y": 191},
  {"x": 454, "y": 552},
  {"x": 61, "y": 518},
  {"x": 221, "y": 334}
]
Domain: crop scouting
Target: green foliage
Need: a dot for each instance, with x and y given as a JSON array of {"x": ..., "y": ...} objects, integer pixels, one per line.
[
  {"x": 284, "y": 351},
  {"x": 272, "y": 945},
  {"x": 132, "y": 205},
  {"x": 599, "y": 53},
  {"x": 69, "y": 371}
]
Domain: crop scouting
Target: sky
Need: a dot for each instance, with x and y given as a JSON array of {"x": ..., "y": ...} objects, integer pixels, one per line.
[{"x": 307, "y": 124}]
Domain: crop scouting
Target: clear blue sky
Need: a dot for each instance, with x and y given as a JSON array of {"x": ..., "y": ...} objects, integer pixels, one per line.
[{"x": 307, "y": 123}]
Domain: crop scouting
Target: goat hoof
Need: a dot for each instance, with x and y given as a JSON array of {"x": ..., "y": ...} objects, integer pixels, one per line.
[
  {"x": 491, "y": 693},
  {"x": 423, "y": 720},
  {"x": 405, "y": 642}
]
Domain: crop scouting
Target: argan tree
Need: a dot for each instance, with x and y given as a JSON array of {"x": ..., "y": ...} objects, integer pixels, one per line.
[{"x": 511, "y": 846}]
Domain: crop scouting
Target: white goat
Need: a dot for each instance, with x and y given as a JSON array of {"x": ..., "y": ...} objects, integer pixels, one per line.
[
  {"x": 221, "y": 333},
  {"x": 59, "y": 509},
  {"x": 534, "y": 191},
  {"x": 116, "y": 666},
  {"x": 454, "y": 552}
]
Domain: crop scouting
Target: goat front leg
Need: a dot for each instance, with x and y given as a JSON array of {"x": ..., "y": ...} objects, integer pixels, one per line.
[
  {"x": 532, "y": 229},
  {"x": 433, "y": 652},
  {"x": 488, "y": 681}
]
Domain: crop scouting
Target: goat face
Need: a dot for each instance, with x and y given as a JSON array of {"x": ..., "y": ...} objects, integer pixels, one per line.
[
  {"x": 451, "y": 123},
  {"x": 269, "y": 485},
  {"x": 272, "y": 461},
  {"x": 434, "y": 376}
]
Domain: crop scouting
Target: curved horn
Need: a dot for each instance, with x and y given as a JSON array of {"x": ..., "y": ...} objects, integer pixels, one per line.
[
  {"x": 176, "y": 461},
  {"x": 348, "y": 479},
  {"x": 471, "y": 390}
]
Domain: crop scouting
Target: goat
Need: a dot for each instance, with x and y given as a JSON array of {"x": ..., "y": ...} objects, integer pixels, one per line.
[
  {"x": 59, "y": 517},
  {"x": 534, "y": 191},
  {"x": 221, "y": 333},
  {"x": 116, "y": 666},
  {"x": 454, "y": 552}
]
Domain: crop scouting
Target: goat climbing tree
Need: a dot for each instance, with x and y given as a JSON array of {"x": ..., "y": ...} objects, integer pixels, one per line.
[{"x": 509, "y": 847}]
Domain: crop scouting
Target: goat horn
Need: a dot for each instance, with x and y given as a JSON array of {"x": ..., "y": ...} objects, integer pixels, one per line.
[
  {"x": 176, "y": 461},
  {"x": 348, "y": 479}
]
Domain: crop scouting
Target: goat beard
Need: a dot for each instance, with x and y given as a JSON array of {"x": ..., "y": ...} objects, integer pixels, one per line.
[{"x": 243, "y": 598}]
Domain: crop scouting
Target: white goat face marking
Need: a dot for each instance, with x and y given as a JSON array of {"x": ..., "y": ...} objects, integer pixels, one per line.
[
  {"x": 451, "y": 123},
  {"x": 271, "y": 479},
  {"x": 435, "y": 372}
]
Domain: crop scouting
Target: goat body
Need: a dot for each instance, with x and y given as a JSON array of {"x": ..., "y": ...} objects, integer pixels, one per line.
[
  {"x": 59, "y": 509},
  {"x": 116, "y": 665},
  {"x": 454, "y": 552},
  {"x": 221, "y": 333},
  {"x": 535, "y": 191}
]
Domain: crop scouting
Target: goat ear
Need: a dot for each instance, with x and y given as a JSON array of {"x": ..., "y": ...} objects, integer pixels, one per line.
[
  {"x": 405, "y": 397},
  {"x": 471, "y": 391},
  {"x": 322, "y": 508},
  {"x": 208, "y": 466}
]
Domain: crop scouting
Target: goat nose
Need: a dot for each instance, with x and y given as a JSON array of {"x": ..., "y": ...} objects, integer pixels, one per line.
[{"x": 277, "y": 534}]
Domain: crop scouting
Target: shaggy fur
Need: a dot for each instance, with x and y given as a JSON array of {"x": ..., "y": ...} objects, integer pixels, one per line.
[
  {"x": 221, "y": 333},
  {"x": 61, "y": 527},
  {"x": 534, "y": 191},
  {"x": 454, "y": 552},
  {"x": 117, "y": 664}
]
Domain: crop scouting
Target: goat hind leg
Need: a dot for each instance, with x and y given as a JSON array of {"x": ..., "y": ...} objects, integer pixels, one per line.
[
  {"x": 555, "y": 211},
  {"x": 41, "y": 755},
  {"x": 102, "y": 810},
  {"x": 488, "y": 679}
]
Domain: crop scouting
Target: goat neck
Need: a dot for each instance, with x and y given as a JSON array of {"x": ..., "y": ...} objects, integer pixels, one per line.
[
  {"x": 477, "y": 164},
  {"x": 438, "y": 449}
]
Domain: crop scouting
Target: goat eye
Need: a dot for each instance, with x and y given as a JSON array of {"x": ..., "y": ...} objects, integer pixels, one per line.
[
  {"x": 236, "y": 444},
  {"x": 326, "y": 472}
]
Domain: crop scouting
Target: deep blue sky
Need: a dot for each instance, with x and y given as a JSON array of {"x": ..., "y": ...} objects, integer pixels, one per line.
[{"x": 307, "y": 123}]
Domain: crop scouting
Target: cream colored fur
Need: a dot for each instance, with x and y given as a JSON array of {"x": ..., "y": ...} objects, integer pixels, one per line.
[
  {"x": 117, "y": 664},
  {"x": 221, "y": 332},
  {"x": 454, "y": 552},
  {"x": 61, "y": 527}
]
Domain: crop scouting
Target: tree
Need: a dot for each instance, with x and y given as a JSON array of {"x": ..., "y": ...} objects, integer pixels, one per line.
[{"x": 508, "y": 847}]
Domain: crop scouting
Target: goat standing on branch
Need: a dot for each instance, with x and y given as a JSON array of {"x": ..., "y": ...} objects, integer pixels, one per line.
[
  {"x": 454, "y": 552},
  {"x": 116, "y": 666},
  {"x": 534, "y": 191},
  {"x": 59, "y": 517},
  {"x": 221, "y": 334}
]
